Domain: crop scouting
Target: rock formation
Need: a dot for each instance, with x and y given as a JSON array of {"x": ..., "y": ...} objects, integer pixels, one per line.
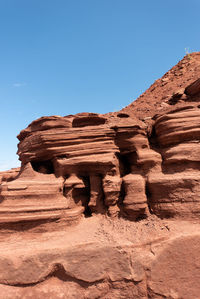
[
  {"x": 79, "y": 163},
  {"x": 175, "y": 191},
  {"x": 114, "y": 198}
]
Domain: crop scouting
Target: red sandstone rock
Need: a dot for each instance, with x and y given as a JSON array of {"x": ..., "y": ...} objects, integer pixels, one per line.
[
  {"x": 182, "y": 75},
  {"x": 177, "y": 265},
  {"x": 9, "y": 174},
  {"x": 61, "y": 215},
  {"x": 135, "y": 200},
  {"x": 89, "y": 155},
  {"x": 193, "y": 88},
  {"x": 175, "y": 191}
]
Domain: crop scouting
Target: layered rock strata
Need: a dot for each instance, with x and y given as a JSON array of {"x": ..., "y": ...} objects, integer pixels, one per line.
[
  {"x": 9, "y": 175},
  {"x": 118, "y": 165},
  {"x": 175, "y": 191},
  {"x": 80, "y": 163},
  {"x": 115, "y": 165}
]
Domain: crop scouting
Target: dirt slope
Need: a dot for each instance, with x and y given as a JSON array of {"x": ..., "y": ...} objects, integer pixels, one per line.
[{"x": 156, "y": 97}]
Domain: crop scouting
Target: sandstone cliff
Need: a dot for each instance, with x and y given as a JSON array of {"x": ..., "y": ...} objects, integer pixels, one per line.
[{"x": 108, "y": 205}]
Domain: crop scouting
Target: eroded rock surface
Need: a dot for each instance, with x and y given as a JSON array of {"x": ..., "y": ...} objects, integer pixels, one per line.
[
  {"x": 113, "y": 167},
  {"x": 108, "y": 206},
  {"x": 175, "y": 191},
  {"x": 87, "y": 163}
]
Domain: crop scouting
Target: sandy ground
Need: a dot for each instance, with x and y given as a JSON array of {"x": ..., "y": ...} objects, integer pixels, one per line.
[{"x": 101, "y": 230}]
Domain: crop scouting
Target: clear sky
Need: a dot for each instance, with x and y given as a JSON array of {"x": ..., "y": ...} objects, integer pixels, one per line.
[{"x": 60, "y": 57}]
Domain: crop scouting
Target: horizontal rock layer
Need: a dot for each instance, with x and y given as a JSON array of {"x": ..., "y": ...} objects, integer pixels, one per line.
[
  {"x": 175, "y": 191},
  {"x": 106, "y": 165},
  {"x": 80, "y": 161},
  {"x": 76, "y": 166}
]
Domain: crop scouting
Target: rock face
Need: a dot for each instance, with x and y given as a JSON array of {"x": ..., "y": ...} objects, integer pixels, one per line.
[
  {"x": 9, "y": 175},
  {"x": 175, "y": 191},
  {"x": 82, "y": 174},
  {"x": 80, "y": 163},
  {"x": 91, "y": 164}
]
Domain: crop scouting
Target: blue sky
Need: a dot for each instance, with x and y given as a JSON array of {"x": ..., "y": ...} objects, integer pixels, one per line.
[{"x": 60, "y": 57}]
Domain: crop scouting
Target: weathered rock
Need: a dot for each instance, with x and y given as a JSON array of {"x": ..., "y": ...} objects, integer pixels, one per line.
[
  {"x": 115, "y": 165},
  {"x": 112, "y": 264},
  {"x": 111, "y": 188},
  {"x": 9, "y": 175},
  {"x": 85, "y": 156},
  {"x": 193, "y": 88},
  {"x": 91, "y": 155},
  {"x": 178, "y": 126},
  {"x": 175, "y": 270},
  {"x": 44, "y": 123},
  {"x": 175, "y": 195},
  {"x": 35, "y": 197},
  {"x": 175, "y": 190},
  {"x": 135, "y": 200}
]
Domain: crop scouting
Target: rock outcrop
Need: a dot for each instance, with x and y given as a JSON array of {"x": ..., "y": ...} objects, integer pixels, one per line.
[
  {"x": 108, "y": 204},
  {"x": 175, "y": 191},
  {"x": 84, "y": 162},
  {"x": 9, "y": 175},
  {"x": 90, "y": 163}
]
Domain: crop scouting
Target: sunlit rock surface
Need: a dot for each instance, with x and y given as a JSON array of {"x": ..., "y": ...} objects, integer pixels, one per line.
[{"x": 108, "y": 206}]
